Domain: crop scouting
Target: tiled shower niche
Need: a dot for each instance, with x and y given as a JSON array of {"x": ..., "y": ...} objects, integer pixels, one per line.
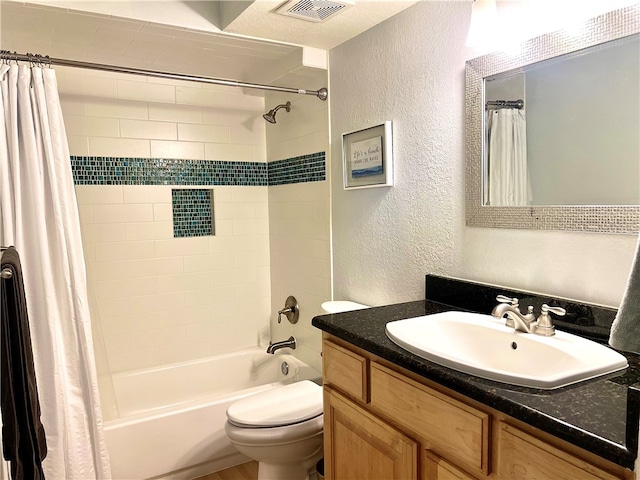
[{"x": 192, "y": 212}]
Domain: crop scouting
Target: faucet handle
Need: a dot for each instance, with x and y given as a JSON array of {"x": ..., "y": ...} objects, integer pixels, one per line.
[
  {"x": 545, "y": 326},
  {"x": 557, "y": 310},
  {"x": 504, "y": 299}
]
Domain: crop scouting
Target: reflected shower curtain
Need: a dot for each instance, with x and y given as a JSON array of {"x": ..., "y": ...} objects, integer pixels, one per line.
[
  {"x": 508, "y": 174},
  {"x": 39, "y": 215}
]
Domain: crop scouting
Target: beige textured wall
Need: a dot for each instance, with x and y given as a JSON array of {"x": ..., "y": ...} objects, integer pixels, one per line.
[{"x": 410, "y": 70}]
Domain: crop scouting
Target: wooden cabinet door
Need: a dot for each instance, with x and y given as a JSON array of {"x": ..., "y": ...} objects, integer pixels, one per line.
[
  {"x": 457, "y": 431},
  {"x": 436, "y": 468},
  {"x": 524, "y": 457},
  {"x": 360, "y": 446}
]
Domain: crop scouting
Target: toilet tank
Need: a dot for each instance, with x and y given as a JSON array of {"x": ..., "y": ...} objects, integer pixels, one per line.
[{"x": 338, "y": 306}]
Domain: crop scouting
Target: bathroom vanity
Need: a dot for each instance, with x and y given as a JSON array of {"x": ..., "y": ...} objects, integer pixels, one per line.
[{"x": 390, "y": 414}]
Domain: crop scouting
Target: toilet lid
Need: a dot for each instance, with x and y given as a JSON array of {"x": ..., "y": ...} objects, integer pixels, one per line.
[{"x": 278, "y": 406}]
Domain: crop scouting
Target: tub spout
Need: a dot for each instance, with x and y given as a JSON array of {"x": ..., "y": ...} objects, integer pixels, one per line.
[{"x": 288, "y": 343}]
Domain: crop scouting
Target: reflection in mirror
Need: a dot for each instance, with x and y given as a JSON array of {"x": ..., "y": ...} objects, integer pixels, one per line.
[
  {"x": 576, "y": 131},
  {"x": 574, "y": 139}
]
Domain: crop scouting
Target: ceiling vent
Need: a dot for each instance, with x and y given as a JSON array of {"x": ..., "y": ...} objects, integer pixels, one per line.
[{"x": 313, "y": 10}]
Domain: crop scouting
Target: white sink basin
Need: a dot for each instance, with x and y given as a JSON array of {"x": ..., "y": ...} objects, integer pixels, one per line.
[{"x": 482, "y": 345}]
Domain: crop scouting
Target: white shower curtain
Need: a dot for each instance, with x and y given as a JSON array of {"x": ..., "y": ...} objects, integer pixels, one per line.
[
  {"x": 508, "y": 182},
  {"x": 39, "y": 215}
]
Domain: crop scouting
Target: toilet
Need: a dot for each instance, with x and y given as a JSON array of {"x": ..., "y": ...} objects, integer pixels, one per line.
[
  {"x": 339, "y": 306},
  {"x": 281, "y": 428}
]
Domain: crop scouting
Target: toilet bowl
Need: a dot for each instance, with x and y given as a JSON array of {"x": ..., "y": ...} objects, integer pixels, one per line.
[{"x": 281, "y": 428}]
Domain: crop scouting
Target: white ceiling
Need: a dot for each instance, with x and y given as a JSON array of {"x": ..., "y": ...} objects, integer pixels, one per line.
[
  {"x": 258, "y": 46},
  {"x": 260, "y": 20}
]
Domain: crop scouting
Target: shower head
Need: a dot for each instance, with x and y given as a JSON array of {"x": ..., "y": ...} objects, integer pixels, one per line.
[{"x": 271, "y": 115}]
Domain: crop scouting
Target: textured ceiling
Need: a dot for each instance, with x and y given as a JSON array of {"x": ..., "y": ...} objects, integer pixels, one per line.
[{"x": 260, "y": 20}]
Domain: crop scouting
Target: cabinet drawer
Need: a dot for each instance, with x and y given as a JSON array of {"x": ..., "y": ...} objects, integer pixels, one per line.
[
  {"x": 521, "y": 456},
  {"x": 455, "y": 430},
  {"x": 344, "y": 370}
]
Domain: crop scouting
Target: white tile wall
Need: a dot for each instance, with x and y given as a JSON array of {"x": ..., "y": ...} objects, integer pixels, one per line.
[
  {"x": 299, "y": 221},
  {"x": 183, "y": 150},
  {"x": 160, "y": 299},
  {"x": 109, "y": 114},
  {"x": 157, "y": 299},
  {"x": 301, "y": 131}
]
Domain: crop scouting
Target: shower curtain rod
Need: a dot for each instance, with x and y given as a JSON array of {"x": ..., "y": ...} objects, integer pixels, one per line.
[
  {"x": 519, "y": 104},
  {"x": 322, "y": 94}
]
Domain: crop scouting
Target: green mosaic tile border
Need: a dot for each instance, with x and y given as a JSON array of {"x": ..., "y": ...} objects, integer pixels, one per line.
[
  {"x": 305, "y": 168},
  {"x": 192, "y": 212},
  {"x": 163, "y": 171}
]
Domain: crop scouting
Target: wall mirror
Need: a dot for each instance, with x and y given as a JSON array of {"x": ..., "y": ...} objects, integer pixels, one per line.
[{"x": 563, "y": 118}]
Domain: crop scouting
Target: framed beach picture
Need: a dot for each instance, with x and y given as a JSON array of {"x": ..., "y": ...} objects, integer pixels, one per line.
[{"x": 367, "y": 157}]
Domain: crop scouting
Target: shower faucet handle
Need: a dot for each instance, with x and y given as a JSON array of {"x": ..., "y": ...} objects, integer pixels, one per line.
[
  {"x": 285, "y": 311},
  {"x": 291, "y": 310}
]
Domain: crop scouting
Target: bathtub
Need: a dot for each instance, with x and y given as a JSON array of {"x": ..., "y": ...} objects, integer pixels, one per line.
[{"x": 171, "y": 423}]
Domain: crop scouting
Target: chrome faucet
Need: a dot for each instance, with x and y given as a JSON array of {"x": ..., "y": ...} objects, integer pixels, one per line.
[
  {"x": 288, "y": 343},
  {"x": 508, "y": 307}
]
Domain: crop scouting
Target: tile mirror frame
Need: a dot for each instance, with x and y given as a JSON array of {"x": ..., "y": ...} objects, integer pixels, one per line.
[{"x": 592, "y": 218}]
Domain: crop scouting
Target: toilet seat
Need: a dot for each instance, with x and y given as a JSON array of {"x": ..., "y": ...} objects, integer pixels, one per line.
[
  {"x": 281, "y": 428},
  {"x": 274, "y": 436},
  {"x": 278, "y": 407}
]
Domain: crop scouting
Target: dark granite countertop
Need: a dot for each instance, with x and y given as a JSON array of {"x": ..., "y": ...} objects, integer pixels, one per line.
[{"x": 599, "y": 415}]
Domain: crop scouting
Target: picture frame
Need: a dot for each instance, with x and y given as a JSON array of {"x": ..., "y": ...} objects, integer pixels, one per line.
[{"x": 367, "y": 157}]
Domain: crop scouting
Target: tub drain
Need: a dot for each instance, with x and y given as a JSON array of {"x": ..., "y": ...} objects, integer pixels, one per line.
[{"x": 284, "y": 368}]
